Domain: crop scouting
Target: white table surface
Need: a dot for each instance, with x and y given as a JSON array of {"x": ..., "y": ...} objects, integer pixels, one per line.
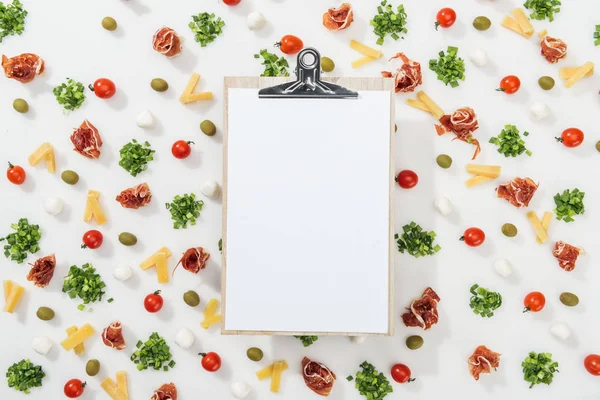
[{"x": 67, "y": 34}]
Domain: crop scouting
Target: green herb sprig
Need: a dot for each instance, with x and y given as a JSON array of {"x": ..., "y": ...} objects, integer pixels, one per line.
[
  {"x": 542, "y": 9},
  {"x": 307, "y": 340},
  {"x": 24, "y": 240},
  {"x": 154, "y": 353},
  {"x": 24, "y": 375},
  {"x": 206, "y": 27},
  {"x": 12, "y": 19},
  {"x": 539, "y": 368},
  {"x": 483, "y": 301},
  {"x": 387, "y": 22},
  {"x": 416, "y": 241},
  {"x": 84, "y": 283},
  {"x": 135, "y": 157},
  {"x": 70, "y": 94},
  {"x": 372, "y": 384},
  {"x": 509, "y": 142},
  {"x": 449, "y": 67},
  {"x": 274, "y": 66},
  {"x": 569, "y": 204},
  {"x": 597, "y": 36},
  {"x": 184, "y": 209}
]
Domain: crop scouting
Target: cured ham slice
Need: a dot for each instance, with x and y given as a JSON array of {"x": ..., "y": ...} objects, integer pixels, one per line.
[
  {"x": 337, "y": 19},
  {"x": 317, "y": 377},
  {"x": 194, "y": 259},
  {"x": 553, "y": 49},
  {"x": 86, "y": 140},
  {"x": 518, "y": 192},
  {"x": 23, "y": 67},
  {"x": 423, "y": 312},
  {"x": 168, "y": 391},
  {"x": 463, "y": 122},
  {"x": 407, "y": 77},
  {"x": 566, "y": 255},
  {"x": 167, "y": 42},
  {"x": 42, "y": 270},
  {"x": 482, "y": 361},
  {"x": 135, "y": 197},
  {"x": 112, "y": 336}
]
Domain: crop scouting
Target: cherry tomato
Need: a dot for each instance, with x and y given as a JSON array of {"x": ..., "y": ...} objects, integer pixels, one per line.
[
  {"x": 401, "y": 373},
  {"x": 571, "y": 137},
  {"x": 15, "y": 174},
  {"x": 407, "y": 179},
  {"x": 153, "y": 302},
  {"x": 211, "y": 361},
  {"x": 181, "y": 149},
  {"x": 446, "y": 17},
  {"x": 509, "y": 84},
  {"x": 473, "y": 237},
  {"x": 290, "y": 44},
  {"x": 74, "y": 388},
  {"x": 103, "y": 88},
  {"x": 232, "y": 2},
  {"x": 92, "y": 239},
  {"x": 534, "y": 302},
  {"x": 592, "y": 364}
]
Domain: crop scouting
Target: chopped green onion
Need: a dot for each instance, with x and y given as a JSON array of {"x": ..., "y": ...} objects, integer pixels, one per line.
[
  {"x": 206, "y": 27},
  {"x": 84, "y": 283},
  {"x": 542, "y": 9},
  {"x": 569, "y": 204},
  {"x": 416, "y": 241},
  {"x": 24, "y": 240},
  {"x": 135, "y": 157},
  {"x": 154, "y": 353},
  {"x": 12, "y": 19},
  {"x": 307, "y": 340},
  {"x": 484, "y": 302},
  {"x": 70, "y": 94},
  {"x": 24, "y": 375},
  {"x": 388, "y": 22},
  {"x": 449, "y": 67},
  {"x": 539, "y": 368},
  {"x": 274, "y": 66},
  {"x": 371, "y": 383},
  {"x": 184, "y": 209},
  {"x": 509, "y": 142}
]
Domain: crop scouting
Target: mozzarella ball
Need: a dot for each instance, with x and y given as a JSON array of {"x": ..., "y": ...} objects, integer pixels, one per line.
[
  {"x": 184, "y": 338},
  {"x": 560, "y": 330},
  {"x": 53, "y": 205},
  {"x": 539, "y": 110},
  {"x": 503, "y": 268},
  {"x": 240, "y": 389},
  {"x": 443, "y": 205},
  {"x": 123, "y": 272},
  {"x": 145, "y": 120},
  {"x": 255, "y": 21},
  {"x": 479, "y": 57},
  {"x": 41, "y": 345},
  {"x": 210, "y": 189}
]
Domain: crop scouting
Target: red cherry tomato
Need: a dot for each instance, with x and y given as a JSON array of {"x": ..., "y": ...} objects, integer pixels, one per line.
[
  {"x": 473, "y": 237},
  {"x": 592, "y": 364},
  {"x": 407, "y": 179},
  {"x": 15, "y": 174},
  {"x": 181, "y": 149},
  {"x": 401, "y": 373},
  {"x": 571, "y": 137},
  {"x": 92, "y": 239},
  {"x": 153, "y": 302},
  {"x": 509, "y": 84},
  {"x": 103, "y": 88},
  {"x": 74, "y": 388},
  {"x": 232, "y": 2},
  {"x": 290, "y": 44},
  {"x": 534, "y": 302},
  {"x": 211, "y": 361},
  {"x": 445, "y": 18}
]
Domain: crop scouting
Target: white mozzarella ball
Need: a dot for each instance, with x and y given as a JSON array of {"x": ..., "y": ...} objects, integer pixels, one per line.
[
  {"x": 145, "y": 120},
  {"x": 123, "y": 272},
  {"x": 479, "y": 57},
  {"x": 255, "y": 21},
  {"x": 240, "y": 389},
  {"x": 210, "y": 189},
  {"x": 443, "y": 205},
  {"x": 41, "y": 345},
  {"x": 539, "y": 110},
  {"x": 560, "y": 330},
  {"x": 503, "y": 268},
  {"x": 53, "y": 205},
  {"x": 184, "y": 338}
]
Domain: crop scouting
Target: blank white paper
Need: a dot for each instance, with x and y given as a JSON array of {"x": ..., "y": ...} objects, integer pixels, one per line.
[{"x": 308, "y": 214}]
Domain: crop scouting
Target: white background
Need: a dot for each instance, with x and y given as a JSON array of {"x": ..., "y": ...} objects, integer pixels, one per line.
[{"x": 67, "y": 34}]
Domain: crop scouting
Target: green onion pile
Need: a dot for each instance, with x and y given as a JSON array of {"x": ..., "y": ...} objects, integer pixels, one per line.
[
  {"x": 184, "y": 209},
  {"x": 153, "y": 353},
  {"x": 206, "y": 27},
  {"x": 449, "y": 67},
  {"x": 371, "y": 383},
  {"x": 539, "y": 368},
  {"x": 416, "y": 241},
  {"x": 307, "y": 340},
  {"x": 542, "y": 9},
  {"x": 24, "y": 375},
  {"x": 509, "y": 142},
  {"x": 387, "y": 22},
  {"x": 70, "y": 94},
  {"x": 569, "y": 204},
  {"x": 484, "y": 302},
  {"x": 135, "y": 157},
  {"x": 24, "y": 240},
  {"x": 84, "y": 283},
  {"x": 12, "y": 19},
  {"x": 597, "y": 36},
  {"x": 274, "y": 66}
]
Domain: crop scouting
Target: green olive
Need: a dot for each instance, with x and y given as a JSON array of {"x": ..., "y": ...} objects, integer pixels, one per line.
[
  {"x": 444, "y": 161},
  {"x": 569, "y": 299},
  {"x": 509, "y": 230},
  {"x": 414, "y": 342},
  {"x": 327, "y": 64},
  {"x": 69, "y": 177},
  {"x": 159, "y": 84},
  {"x": 20, "y": 106},
  {"x": 254, "y": 353},
  {"x": 127, "y": 239},
  {"x": 208, "y": 128},
  {"x": 45, "y": 313},
  {"x": 92, "y": 367},
  {"x": 598, "y": 145},
  {"x": 109, "y": 23},
  {"x": 482, "y": 23},
  {"x": 546, "y": 82},
  {"x": 191, "y": 298}
]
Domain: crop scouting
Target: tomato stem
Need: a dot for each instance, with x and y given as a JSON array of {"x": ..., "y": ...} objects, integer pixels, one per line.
[
  {"x": 411, "y": 380},
  {"x": 437, "y": 25},
  {"x": 559, "y": 140},
  {"x": 84, "y": 384},
  {"x": 462, "y": 239},
  {"x": 278, "y": 44},
  {"x": 500, "y": 90},
  {"x": 10, "y": 166},
  {"x": 91, "y": 87},
  {"x": 157, "y": 292},
  {"x": 84, "y": 246},
  {"x": 190, "y": 142},
  {"x": 526, "y": 310},
  {"x": 202, "y": 354}
]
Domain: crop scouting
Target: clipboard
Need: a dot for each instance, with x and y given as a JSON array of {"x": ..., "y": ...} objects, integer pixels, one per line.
[{"x": 248, "y": 306}]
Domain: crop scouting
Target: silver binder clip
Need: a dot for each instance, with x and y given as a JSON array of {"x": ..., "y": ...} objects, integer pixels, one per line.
[{"x": 308, "y": 84}]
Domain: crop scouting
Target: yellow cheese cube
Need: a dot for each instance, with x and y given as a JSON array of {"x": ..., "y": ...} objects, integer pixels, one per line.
[
  {"x": 77, "y": 337},
  {"x": 113, "y": 390},
  {"x": 490, "y": 171},
  {"x": 196, "y": 97},
  {"x": 210, "y": 321},
  {"x": 151, "y": 261},
  {"x": 366, "y": 50},
  {"x": 93, "y": 209},
  {"x": 122, "y": 383},
  {"x": 580, "y": 73},
  {"x": 417, "y": 104},
  {"x": 211, "y": 308},
  {"x": 434, "y": 109},
  {"x": 522, "y": 20},
  {"x": 79, "y": 349},
  {"x": 477, "y": 180},
  {"x": 39, "y": 154},
  {"x": 51, "y": 162},
  {"x": 362, "y": 61},
  {"x": 568, "y": 72},
  {"x": 537, "y": 226},
  {"x": 514, "y": 26},
  {"x": 267, "y": 372},
  {"x": 276, "y": 377},
  {"x": 546, "y": 220},
  {"x": 8, "y": 285},
  {"x": 14, "y": 297},
  {"x": 162, "y": 269}
]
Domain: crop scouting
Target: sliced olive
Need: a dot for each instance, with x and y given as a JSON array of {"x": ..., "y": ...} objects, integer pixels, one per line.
[
  {"x": 20, "y": 106},
  {"x": 109, "y": 23},
  {"x": 444, "y": 161},
  {"x": 127, "y": 239},
  {"x": 254, "y": 353},
  {"x": 509, "y": 230},
  {"x": 327, "y": 64},
  {"x": 208, "y": 128},
  {"x": 569, "y": 299},
  {"x": 159, "y": 84},
  {"x": 69, "y": 177},
  {"x": 482, "y": 23},
  {"x": 546, "y": 82},
  {"x": 45, "y": 313},
  {"x": 191, "y": 298},
  {"x": 414, "y": 342},
  {"x": 92, "y": 367}
]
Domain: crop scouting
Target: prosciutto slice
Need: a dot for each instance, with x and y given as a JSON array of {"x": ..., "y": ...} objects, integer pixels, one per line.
[
  {"x": 482, "y": 361},
  {"x": 407, "y": 77},
  {"x": 518, "y": 192},
  {"x": 337, "y": 19},
  {"x": 194, "y": 259},
  {"x": 135, "y": 197},
  {"x": 463, "y": 122},
  {"x": 167, "y": 42},
  {"x": 423, "y": 312},
  {"x": 42, "y": 270},
  {"x": 553, "y": 49},
  {"x": 23, "y": 67},
  {"x": 566, "y": 255},
  {"x": 112, "y": 336},
  {"x": 317, "y": 377},
  {"x": 168, "y": 391},
  {"x": 86, "y": 140}
]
